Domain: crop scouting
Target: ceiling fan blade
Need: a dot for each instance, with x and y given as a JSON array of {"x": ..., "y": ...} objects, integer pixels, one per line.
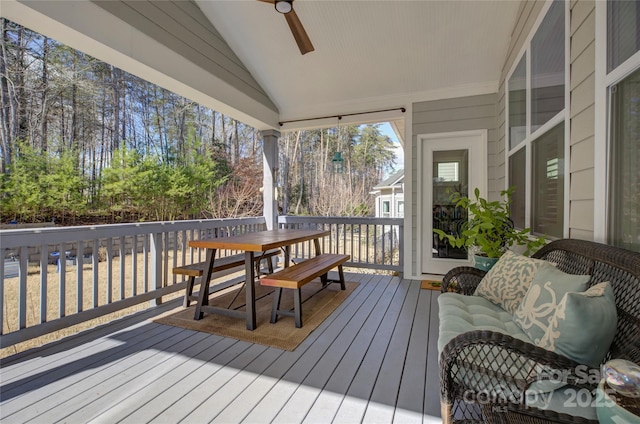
[
  {"x": 268, "y": 1},
  {"x": 299, "y": 34}
]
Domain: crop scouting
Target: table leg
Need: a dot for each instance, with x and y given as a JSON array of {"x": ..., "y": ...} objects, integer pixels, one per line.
[
  {"x": 316, "y": 243},
  {"x": 287, "y": 256},
  {"x": 203, "y": 296},
  {"x": 250, "y": 290}
]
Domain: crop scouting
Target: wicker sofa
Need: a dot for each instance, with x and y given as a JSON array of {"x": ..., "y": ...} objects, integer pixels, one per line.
[{"x": 475, "y": 383}]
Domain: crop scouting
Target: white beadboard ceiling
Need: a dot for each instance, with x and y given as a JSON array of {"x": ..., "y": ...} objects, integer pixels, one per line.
[{"x": 368, "y": 54}]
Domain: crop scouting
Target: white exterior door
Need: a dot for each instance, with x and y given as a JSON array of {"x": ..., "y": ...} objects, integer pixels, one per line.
[{"x": 449, "y": 162}]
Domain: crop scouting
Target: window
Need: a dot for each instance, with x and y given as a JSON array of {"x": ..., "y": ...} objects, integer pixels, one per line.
[
  {"x": 448, "y": 172},
  {"x": 386, "y": 208},
  {"x": 536, "y": 130},
  {"x": 400, "y": 209},
  {"x": 623, "y": 31},
  {"x": 547, "y": 67},
  {"x": 517, "y": 179},
  {"x": 548, "y": 183},
  {"x": 623, "y": 86},
  {"x": 518, "y": 104},
  {"x": 624, "y": 207}
]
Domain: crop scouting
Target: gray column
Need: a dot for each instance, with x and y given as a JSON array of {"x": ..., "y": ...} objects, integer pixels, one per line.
[{"x": 270, "y": 177}]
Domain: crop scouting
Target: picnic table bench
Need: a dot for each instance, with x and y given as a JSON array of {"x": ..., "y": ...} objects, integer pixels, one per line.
[
  {"x": 220, "y": 264},
  {"x": 296, "y": 276}
]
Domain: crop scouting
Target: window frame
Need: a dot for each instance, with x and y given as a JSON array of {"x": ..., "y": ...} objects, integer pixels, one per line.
[
  {"x": 602, "y": 123},
  {"x": 560, "y": 117}
]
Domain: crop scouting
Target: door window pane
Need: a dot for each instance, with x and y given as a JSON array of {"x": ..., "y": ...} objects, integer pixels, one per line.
[
  {"x": 448, "y": 171},
  {"x": 518, "y": 104},
  {"x": 517, "y": 179},
  {"x": 446, "y": 216},
  {"x": 623, "y": 31},
  {"x": 547, "y": 67},
  {"x": 624, "y": 223},
  {"x": 548, "y": 183}
]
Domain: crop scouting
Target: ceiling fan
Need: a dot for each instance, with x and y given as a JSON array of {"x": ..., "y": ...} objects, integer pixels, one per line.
[{"x": 299, "y": 34}]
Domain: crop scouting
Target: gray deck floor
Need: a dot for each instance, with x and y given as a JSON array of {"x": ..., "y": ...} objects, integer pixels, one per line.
[{"x": 374, "y": 360}]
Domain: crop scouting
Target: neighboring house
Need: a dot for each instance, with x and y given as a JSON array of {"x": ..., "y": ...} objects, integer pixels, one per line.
[
  {"x": 390, "y": 196},
  {"x": 542, "y": 95}
]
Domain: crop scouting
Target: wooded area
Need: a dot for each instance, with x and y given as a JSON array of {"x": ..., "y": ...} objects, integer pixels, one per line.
[{"x": 85, "y": 142}]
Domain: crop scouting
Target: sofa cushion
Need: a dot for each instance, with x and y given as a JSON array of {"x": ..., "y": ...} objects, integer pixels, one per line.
[
  {"x": 539, "y": 305},
  {"x": 583, "y": 325},
  {"x": 459, "y": 313},
  {"x": 508, "y": 281}
]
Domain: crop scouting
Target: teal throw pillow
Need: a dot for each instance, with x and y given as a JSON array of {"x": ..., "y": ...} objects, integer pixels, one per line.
[
  {"x": 508, "y": 281},
  {"x": 583, "y": 325},
  {"x": 539, "y": 305}
]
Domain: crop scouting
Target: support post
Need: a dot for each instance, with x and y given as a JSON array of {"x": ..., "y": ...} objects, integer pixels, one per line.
[{"x": 270, "y": 177}]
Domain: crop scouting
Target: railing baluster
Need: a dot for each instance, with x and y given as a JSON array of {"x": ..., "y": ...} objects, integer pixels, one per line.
[
  {"x": 22, "y": 291},
  {"x": 121, "y": 252},
  {"x": 109, "y": 269},
  {"x": 145, "y": 259},
  {"x": 134, "y": 265},
  {"x": 44, "y": 265},
  {"x": 166, "y": 241},
  {"x": 95, "y": 261},
  {"x": 62, "y": 281},
  {"x": 79, "y": 276}
]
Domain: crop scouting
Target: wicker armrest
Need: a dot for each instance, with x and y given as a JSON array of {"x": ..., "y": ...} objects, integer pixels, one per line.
[
  {"x": 502, "y": 366},
  {"x": 463, "y": 279}
]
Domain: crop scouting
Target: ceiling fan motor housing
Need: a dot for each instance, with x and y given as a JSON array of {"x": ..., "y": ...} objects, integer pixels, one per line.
[{"x": 284, "y": 6}]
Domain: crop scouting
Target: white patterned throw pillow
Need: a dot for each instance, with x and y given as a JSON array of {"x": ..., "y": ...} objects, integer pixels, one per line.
[{"x": 508, "y": 281}]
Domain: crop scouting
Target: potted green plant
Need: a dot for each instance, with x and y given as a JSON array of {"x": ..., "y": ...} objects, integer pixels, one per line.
[{"x": 489, "y": 231}]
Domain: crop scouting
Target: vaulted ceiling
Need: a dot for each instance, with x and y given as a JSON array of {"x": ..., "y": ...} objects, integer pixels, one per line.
[{"x": 368, "y": 54}]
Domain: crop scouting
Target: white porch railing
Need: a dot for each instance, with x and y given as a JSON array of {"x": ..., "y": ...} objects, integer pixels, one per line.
[
  {"x": 121, "y": 265},
  {"x": 375, "y": 243},
  {"x": 53, "y": 278}
]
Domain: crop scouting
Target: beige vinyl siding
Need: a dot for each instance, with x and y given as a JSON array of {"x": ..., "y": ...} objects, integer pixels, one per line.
[
  {"x": 443, "y": 116},
  {"x": 183, "y": 28},
  {"x": 582, "y": 77}
]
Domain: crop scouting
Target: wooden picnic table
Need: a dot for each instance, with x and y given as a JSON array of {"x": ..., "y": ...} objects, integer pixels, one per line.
[{"x": 251, "y": 244}]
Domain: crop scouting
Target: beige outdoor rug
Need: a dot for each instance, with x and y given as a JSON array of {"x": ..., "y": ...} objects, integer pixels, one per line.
[{"x": 316, "y": 306}]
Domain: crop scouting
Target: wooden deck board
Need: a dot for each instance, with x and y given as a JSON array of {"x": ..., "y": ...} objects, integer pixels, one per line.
[
  {"x": 410, "y": 402},
  {"x": 24, "y": 393},
  {"x": 385, "y": 391},
  {"x": 432, "y": 402},
  {"x": 78, "y": 389},
  {"x": 373, "y": 359},
  {"x": 272, "y": 402},
  {"x": 145, "y": 405},
  {"x": 354, "y": 405},
  {"x": 332, "y": 395},
  {"x": 265, "y": 383},
  {"x": 300, "y": 402}
]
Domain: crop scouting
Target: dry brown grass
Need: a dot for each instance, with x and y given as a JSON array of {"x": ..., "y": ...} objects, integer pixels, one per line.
[{"x": 33, "y": 296}]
